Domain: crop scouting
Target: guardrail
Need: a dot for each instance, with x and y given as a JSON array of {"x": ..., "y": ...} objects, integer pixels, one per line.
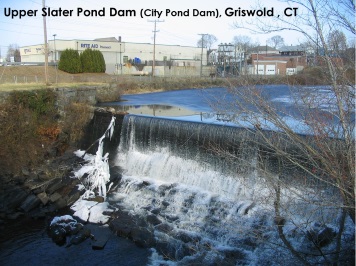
[{"x": 27, "y": 63}]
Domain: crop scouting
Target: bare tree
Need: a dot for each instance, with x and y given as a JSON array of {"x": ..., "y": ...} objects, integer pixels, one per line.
[
  {"x": 276, "y": 41},
  {"x": 324, "y": 155},
  {"x": 208, "y": 41},
  {"x": 243, "y": 41},
  {"x": 13, "y": 51},
  {"x": 337, "y": 41}
]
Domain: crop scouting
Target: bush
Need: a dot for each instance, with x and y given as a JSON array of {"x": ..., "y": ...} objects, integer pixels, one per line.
[
  {"x": 92, "y": 61},
  {"x": 29, "y": 129},
  {"x": 40, "y": 102},
  {"x": 70, "y": 62}
]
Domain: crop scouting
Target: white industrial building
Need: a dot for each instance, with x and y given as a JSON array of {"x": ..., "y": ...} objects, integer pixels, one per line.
[{"x": 127, "y": 58}]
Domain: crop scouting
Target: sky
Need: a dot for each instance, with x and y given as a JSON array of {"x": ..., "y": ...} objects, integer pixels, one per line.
[{"x": 173, "y": 30}]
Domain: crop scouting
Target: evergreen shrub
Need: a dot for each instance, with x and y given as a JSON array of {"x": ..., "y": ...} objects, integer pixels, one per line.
[
  {"x": 92, "y": 61},
  {"x": 70, "y": 62}
]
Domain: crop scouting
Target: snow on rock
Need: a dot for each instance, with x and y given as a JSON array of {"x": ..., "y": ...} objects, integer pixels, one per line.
[
  {"x": 91, "y": 211},
  {"x": 65, "y": 219},
  {"x": 82, "y": 208},
  {"x": 96, "y": 213}
]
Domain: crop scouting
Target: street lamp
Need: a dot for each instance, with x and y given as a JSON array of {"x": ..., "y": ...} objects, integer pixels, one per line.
[{"x": 55, "y": 52}]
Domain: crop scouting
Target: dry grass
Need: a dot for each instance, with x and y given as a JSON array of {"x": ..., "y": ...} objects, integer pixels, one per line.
[
  {"x": 29, "y": 77},
  {"x": 32, "y": 77}
]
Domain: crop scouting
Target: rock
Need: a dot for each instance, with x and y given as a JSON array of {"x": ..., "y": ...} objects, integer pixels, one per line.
[
  {"x": 81, "y": 236},
  {"x": 49, "y": 208},
  {"x": 14, "y": 216},
  {"x": 189, "y": 249},
  {"x": 142, "y": 237},
  {"x": 101, "y": 236},
  {"x": 166, "y": 250},
  {"x": 186, "y": 237},
  {"x": 153, "y": 219},
  {"x": 54, "y": 185},
  {"x": 156, "y": 211},
  {"x": 122, "y": 225},
  {"x": 25, "y": 172},
  {"x": 125, "y": 223},
  {"x": 164, "y": 228},
  {"x": 30, "y": 202},
  {"x": 77, "y": 228},
  {"x": 38, "y": 213},
  {"x": 58, "y": 234},
  {"x": 115, "y": 174},
  {"x": 326, "y": 236},
  {"x": 64, "y": 226},
  {"x": 55, "y": 196},
  {"x": 68, "y": 185},
  {"x": 74, "y": 196},
  {"x": 12, "y": 198},
  {"x": 97, "y": 198},
  {"x": 321, "y": 236},
  {"x": 171, "y": 218},
  {"x": 43, "y": 198},
  {"x": 60, "y": 203},
  {"x": 170, "y": 249},
  {"x": 19, "y": 180},
  {"x": 165, "y": 203},
  {"x": 234, "y": 257}
]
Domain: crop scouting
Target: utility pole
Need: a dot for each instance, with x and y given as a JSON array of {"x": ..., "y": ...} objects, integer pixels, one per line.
[
  {"x": 120, "y": 60},
  {"x": 154, "y": 44},
  {"x": 201, "y": 54},
  {"x": 258, "y": 51},
  {"x": 45, "y": 44},
  {"x": 55, "y": 52},
  {"x": 55, "y": 56}
]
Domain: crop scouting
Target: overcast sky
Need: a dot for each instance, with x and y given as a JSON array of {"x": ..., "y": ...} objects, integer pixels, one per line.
[{"x": 174, "y": 30}]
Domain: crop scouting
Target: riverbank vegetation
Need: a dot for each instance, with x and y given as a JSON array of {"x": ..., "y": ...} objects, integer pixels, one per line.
[{"x": 32, "y": 130}]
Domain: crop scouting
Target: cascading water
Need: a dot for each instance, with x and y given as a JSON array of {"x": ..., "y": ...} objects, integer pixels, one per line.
[{"x": 211, "y": 210}]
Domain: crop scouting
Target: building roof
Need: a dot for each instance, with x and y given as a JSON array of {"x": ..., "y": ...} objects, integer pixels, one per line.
[
  {"x": 291, "y": 48},
  {"x": 108, "y": 39},
  {"x": 262, "y": 48}
]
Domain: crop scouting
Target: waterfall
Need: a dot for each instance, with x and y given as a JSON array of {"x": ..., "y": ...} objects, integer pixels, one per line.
[
  {"x": 206, "y": 156},
  {"x": 203, "y": 185},
  {"x": 201, "y": 180}
]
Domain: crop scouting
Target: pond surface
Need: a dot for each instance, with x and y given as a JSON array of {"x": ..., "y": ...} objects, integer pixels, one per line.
[{"x": 223, "y": 106}]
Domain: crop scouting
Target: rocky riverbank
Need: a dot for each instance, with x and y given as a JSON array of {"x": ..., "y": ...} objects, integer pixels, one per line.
[{"x": 39, "y": 193}]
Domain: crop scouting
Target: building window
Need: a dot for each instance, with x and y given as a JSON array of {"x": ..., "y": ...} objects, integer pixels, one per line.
[{"x": 125, "y": 58}]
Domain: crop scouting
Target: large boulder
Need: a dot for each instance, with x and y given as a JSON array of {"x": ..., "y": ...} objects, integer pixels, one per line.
[{"x": 30, "y": 203}]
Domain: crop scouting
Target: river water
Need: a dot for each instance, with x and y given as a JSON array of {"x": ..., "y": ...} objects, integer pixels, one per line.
[{"x": 26, "y": 243}]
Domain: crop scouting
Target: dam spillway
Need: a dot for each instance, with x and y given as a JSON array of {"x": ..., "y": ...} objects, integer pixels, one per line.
[{"x": 207, "y": 188}]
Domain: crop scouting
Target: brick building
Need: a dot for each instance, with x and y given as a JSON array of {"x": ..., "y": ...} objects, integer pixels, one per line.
[{"x": 289, "y": 60}]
